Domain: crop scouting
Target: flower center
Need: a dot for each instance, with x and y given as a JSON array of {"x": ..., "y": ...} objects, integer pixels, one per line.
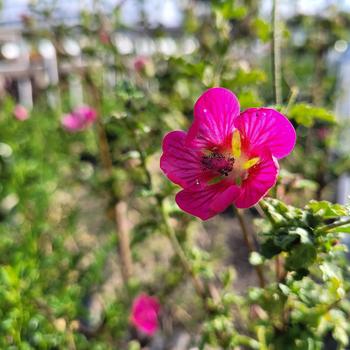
[
  {"x": 218, "y": 162},
  {"x": 233, "y": 162}
]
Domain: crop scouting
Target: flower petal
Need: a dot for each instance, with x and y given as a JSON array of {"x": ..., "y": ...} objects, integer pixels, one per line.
[
  {"x": 144, "y": 314},
  {"x": 71, "y": 123},
  {"x": 85, "y": 113},
  {"x": 209, "y": 201},
  {"x": 261, "y": 178},
  {"x": 225, "y": 198},
  {"x": 182, "y": 164},
  {"x": 214, "y": 113},
  {"x": 265, "y": 127}
]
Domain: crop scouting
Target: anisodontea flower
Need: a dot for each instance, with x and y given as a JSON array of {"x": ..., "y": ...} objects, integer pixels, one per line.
[
  {"x": 226, "y": 157},
  {"x": 144, "y": 314},
  {"x": 20, "y": 113},
  {"x": 79, "y": 119}
]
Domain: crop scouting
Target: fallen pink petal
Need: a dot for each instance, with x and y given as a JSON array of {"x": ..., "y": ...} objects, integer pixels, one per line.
[
  {"x": 144, "y": 314},
  {"x": 226, "y": 157}
]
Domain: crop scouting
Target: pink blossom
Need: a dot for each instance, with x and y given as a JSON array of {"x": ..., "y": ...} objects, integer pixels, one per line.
[
  {"x": 79, "y": 119},
  {"x": 140, "y": 63},
  {"x": 226, "y": 157},
  {"x": 20, "y": 113},
  {"x": 144, "y": 314},
  {"x": 104, "y": 37}
]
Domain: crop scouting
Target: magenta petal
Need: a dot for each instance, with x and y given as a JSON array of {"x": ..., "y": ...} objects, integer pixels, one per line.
[
  {"x": 214, "y": 114},
  {"x": 265, "y": 127},
  {"x": 260, "y": 179},
  {"x": 144, "y": 314},
  {"x": 180, "y": 163},
  {"x": 209, "y": 201},
  {"x": 72, "y": 123},
  {"x": 224, "y": 199},
  {"x": 86, "y": 113}
]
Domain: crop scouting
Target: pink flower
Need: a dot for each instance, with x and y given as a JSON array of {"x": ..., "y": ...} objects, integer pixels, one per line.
[
  {"x": 104, "y": 37},
  {"x": 20, "y": 113},
  {"x": 79, "y": 119},
  {"x": 140, "y": 63},
  {"x": 144, "y": 314},
  {"x": 226, "y": 157}
]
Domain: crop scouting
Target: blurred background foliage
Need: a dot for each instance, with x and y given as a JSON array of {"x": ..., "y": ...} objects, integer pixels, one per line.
[{"x": 66, "y": 198}]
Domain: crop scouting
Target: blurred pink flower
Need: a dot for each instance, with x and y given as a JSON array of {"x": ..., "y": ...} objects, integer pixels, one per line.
[
  {"x": 140, "y": 63},
  {"x": 104, "y": 36},
  {"x": 20, "y": 113},
  {"x": 226, "y": 157},
  {"x": 79, "y": 119},
  {"x": 144, "y": 313},
  {"x": 323, "y": 133}
]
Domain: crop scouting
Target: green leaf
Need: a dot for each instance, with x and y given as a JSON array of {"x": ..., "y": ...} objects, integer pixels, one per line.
[
  {"x": 302, "y": 233},
  {"x": 269, "y": 249},
  {"x": 301, "y": 257},
  {"x": 306, "y": 114},
  {"x": 339, "y": 334},
  {"x": 229, "y": 10},
  {"x": 262, "y": 29},
  {"x": 330, "y": 271},
  {"x": 285, "y": 241},
  {"x": 327, "y": 210},
  {"x": 285, "y": 290},
  {"x": 341, "y": 229}
]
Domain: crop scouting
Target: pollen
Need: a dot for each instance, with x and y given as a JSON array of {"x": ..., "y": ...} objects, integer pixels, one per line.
[
  {"x": 218, "y": 162},
  {"x": 236, "y": 144},
  {"x": 251, "y": 162}
]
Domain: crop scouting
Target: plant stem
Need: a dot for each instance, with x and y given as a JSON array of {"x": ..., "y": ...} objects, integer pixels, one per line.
[
  {"x": 276, "y": 54},
  {"x": 330, "y": 227},
  {"x": 247, "y": 341},
  {"x": 103, "y": 146},
  {"x": 122, "y": 226},
  {"x": 278, "y": 267},
  {"x": 248, "y": 241},
  {"x": 120, "y": 208},
  {"x": 261, "y": 331},
  {"x": 294, "y": 91},
  {"x": 197, "y": 283}
]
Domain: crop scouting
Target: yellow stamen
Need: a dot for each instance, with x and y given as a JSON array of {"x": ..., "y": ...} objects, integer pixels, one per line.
[
  {"x": 250, "y": 163},
  {"x": 236, "y": 144}
]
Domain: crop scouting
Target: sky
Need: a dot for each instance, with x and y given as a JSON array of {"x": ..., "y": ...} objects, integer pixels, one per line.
[{"x": 166, "y": 12}]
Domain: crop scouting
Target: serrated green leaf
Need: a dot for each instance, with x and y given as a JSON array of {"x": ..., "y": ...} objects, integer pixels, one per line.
[
  {"x": 302, "y": 256},
  {"x": 327, "y": 210},
  {"x": 306, "y": 114},
  {"x": 285, "y": 241},
  {"x": 269, "y": 249}
]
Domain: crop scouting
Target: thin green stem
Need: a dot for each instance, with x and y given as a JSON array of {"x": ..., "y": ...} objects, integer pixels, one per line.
[
  {"x": 197, "y": 283},
  {"x": 261, "y": 332},
  {"x": 247, "y": 341},
  {"x": 294, "y": 91},
  {"x": 276, "y": 53},
  {"x": 330, "y": 227},
  {"x": 120, "y": 207},
  {"x": 248, "y": 241}
]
